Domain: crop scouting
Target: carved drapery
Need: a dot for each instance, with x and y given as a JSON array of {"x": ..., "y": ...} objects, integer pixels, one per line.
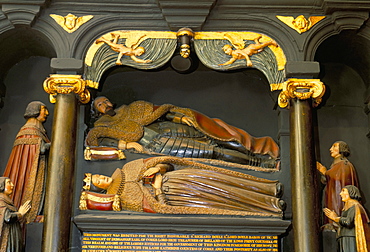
[
  {"x": 299, "y": 88},
  {"x": 66, "y": 84},
  {"x": 270, "y": 59},
  {"x": 159, "y": 48},
  {"x": 249, "y": 49}
]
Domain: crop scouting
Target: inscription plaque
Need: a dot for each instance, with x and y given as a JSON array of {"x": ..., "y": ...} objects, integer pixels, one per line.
[{"x": 158, "y": 242}]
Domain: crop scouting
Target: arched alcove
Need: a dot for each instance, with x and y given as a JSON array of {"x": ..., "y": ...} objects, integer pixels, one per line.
[{"x": 344, "y": 61}]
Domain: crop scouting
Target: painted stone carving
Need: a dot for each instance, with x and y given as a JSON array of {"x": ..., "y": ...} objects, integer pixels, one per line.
[{"x": 171, "y": 185}]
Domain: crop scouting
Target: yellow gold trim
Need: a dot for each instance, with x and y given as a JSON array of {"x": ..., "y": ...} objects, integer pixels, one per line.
[
  {"x": 66, "y": 84},
  {"x": 87, "y": 180},
  {"x": 130, "y": 36},
  {"x": 185, "y": 31},
  {"x": 92, "y": 84},
  {"x": 300, "y": 24},
  {"x": 70, "y": 23},
  {"x": 100, "y": 199},
  {"x": 83, "y": 203},
  {"x": 116, "y": 203},
  {"x": 299, "y": 88}
]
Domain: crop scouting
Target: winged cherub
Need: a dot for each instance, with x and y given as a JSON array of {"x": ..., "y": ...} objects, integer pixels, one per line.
[
  {"x": 70, "y": 23},
  {"x": 300, "y": 23},
  {"x": 132, "y": 49},
  {"x": 242, "y": 52}
]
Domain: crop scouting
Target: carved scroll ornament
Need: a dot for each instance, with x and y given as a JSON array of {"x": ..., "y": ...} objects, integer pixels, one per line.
[
  {"x": 66, "y": 84},
  {"x": 301, "y": 89}
]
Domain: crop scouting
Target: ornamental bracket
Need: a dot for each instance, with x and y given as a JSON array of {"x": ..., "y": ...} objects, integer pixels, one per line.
[
  {"x": 301, "y": 89},
  {"x": 66, "y": 84}
]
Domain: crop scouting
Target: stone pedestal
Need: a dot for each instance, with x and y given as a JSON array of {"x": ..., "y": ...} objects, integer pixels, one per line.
[{"x": 125, "y": 231}]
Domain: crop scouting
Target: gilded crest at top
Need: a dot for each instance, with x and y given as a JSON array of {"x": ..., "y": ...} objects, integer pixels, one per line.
[
  {"x": 71, "y": 23},
  {"x": 300, "y": 23}
]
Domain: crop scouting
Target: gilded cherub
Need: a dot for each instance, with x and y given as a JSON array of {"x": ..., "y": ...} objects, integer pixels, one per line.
[
  {"x": 300, "y": 23},
  {"x": 244, "y": 53},
  {"x": 70, "y": 23},
  {"x": 132, "y": 50}
]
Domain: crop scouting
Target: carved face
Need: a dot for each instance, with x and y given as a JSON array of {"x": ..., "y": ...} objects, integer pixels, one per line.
[
  {"x": 70, "y": 21},
  {"x": 334, "y": 151},
  {"x": 300, "y": 22},
  {"x": 43, "y": 114},
  {"x": 345, "y": 195},
  {"x": 8, "y": 187},
  {"x": 101, "y": 181},
  {"x": 104, "y": 106},
  {"x": 139, "y": 51}
]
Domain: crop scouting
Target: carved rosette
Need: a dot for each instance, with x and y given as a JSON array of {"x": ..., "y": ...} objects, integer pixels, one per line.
[
  {"x": 66, "y": 84},
  {"x": 301, "y": 89}
]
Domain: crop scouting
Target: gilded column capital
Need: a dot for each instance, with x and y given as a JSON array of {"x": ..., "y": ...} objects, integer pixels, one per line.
[
  {"x": 66, "y": 84},
  {"x": 301, "y": 89}
]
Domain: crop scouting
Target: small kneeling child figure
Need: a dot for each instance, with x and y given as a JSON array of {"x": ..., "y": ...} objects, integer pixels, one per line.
[
  {"x": 353, "y": 232},
  {"x": 11, "y": 237}
]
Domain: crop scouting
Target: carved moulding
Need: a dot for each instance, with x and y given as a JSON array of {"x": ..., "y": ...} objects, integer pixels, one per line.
[
  {"x": 301, "y": 89},
  {"x": 66, "y": 84}
]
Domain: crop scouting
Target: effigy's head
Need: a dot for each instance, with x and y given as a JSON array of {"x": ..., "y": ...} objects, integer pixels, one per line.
[
  {"x": 96, "y": 182},
  {"x": 102, "y": 106}
]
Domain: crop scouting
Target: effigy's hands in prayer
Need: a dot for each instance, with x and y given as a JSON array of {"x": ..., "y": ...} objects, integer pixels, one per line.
[
  {"x": 23, "y": 209},
  {"x": 331, "y": 214},
  {"x": 187, "y": 120},
  {"x": 322, "y": 169},
  {"x": 151, "y": 171}
]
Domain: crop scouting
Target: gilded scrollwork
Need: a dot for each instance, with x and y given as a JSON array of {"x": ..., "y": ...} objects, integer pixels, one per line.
[
  {"x": 66, "y": 84},
  {"x": 301, "y": 89},
  {"x": 71, "y": 23},
  {"x": 300, "y": 23}
]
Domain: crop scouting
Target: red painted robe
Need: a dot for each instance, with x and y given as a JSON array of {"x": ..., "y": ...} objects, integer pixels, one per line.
[{"x": 26, "y": 167}]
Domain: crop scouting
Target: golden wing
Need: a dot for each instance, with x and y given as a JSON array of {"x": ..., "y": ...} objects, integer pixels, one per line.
[
  {"x": 81, "y": 20},
  {"x": 235, "y": 39},
  {"x": 288, "y": 21},
  {"x": 59, "y": 19},
  {"x": 134, "y": 40},
  {"x": 314, "y": 20}
]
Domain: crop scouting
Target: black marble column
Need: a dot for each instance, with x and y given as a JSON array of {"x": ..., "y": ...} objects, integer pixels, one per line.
[
  {"x": 305, "y": 193},
  {"x": 60, "y": 179}
]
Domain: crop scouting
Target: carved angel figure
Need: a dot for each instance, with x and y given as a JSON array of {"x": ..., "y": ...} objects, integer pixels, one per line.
[
  {"x": 131, "y": 48},
  {"x": 70, "y": 23},
  {"x": 242, "y": 52},
  {"x": 300, "y": 23}
]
